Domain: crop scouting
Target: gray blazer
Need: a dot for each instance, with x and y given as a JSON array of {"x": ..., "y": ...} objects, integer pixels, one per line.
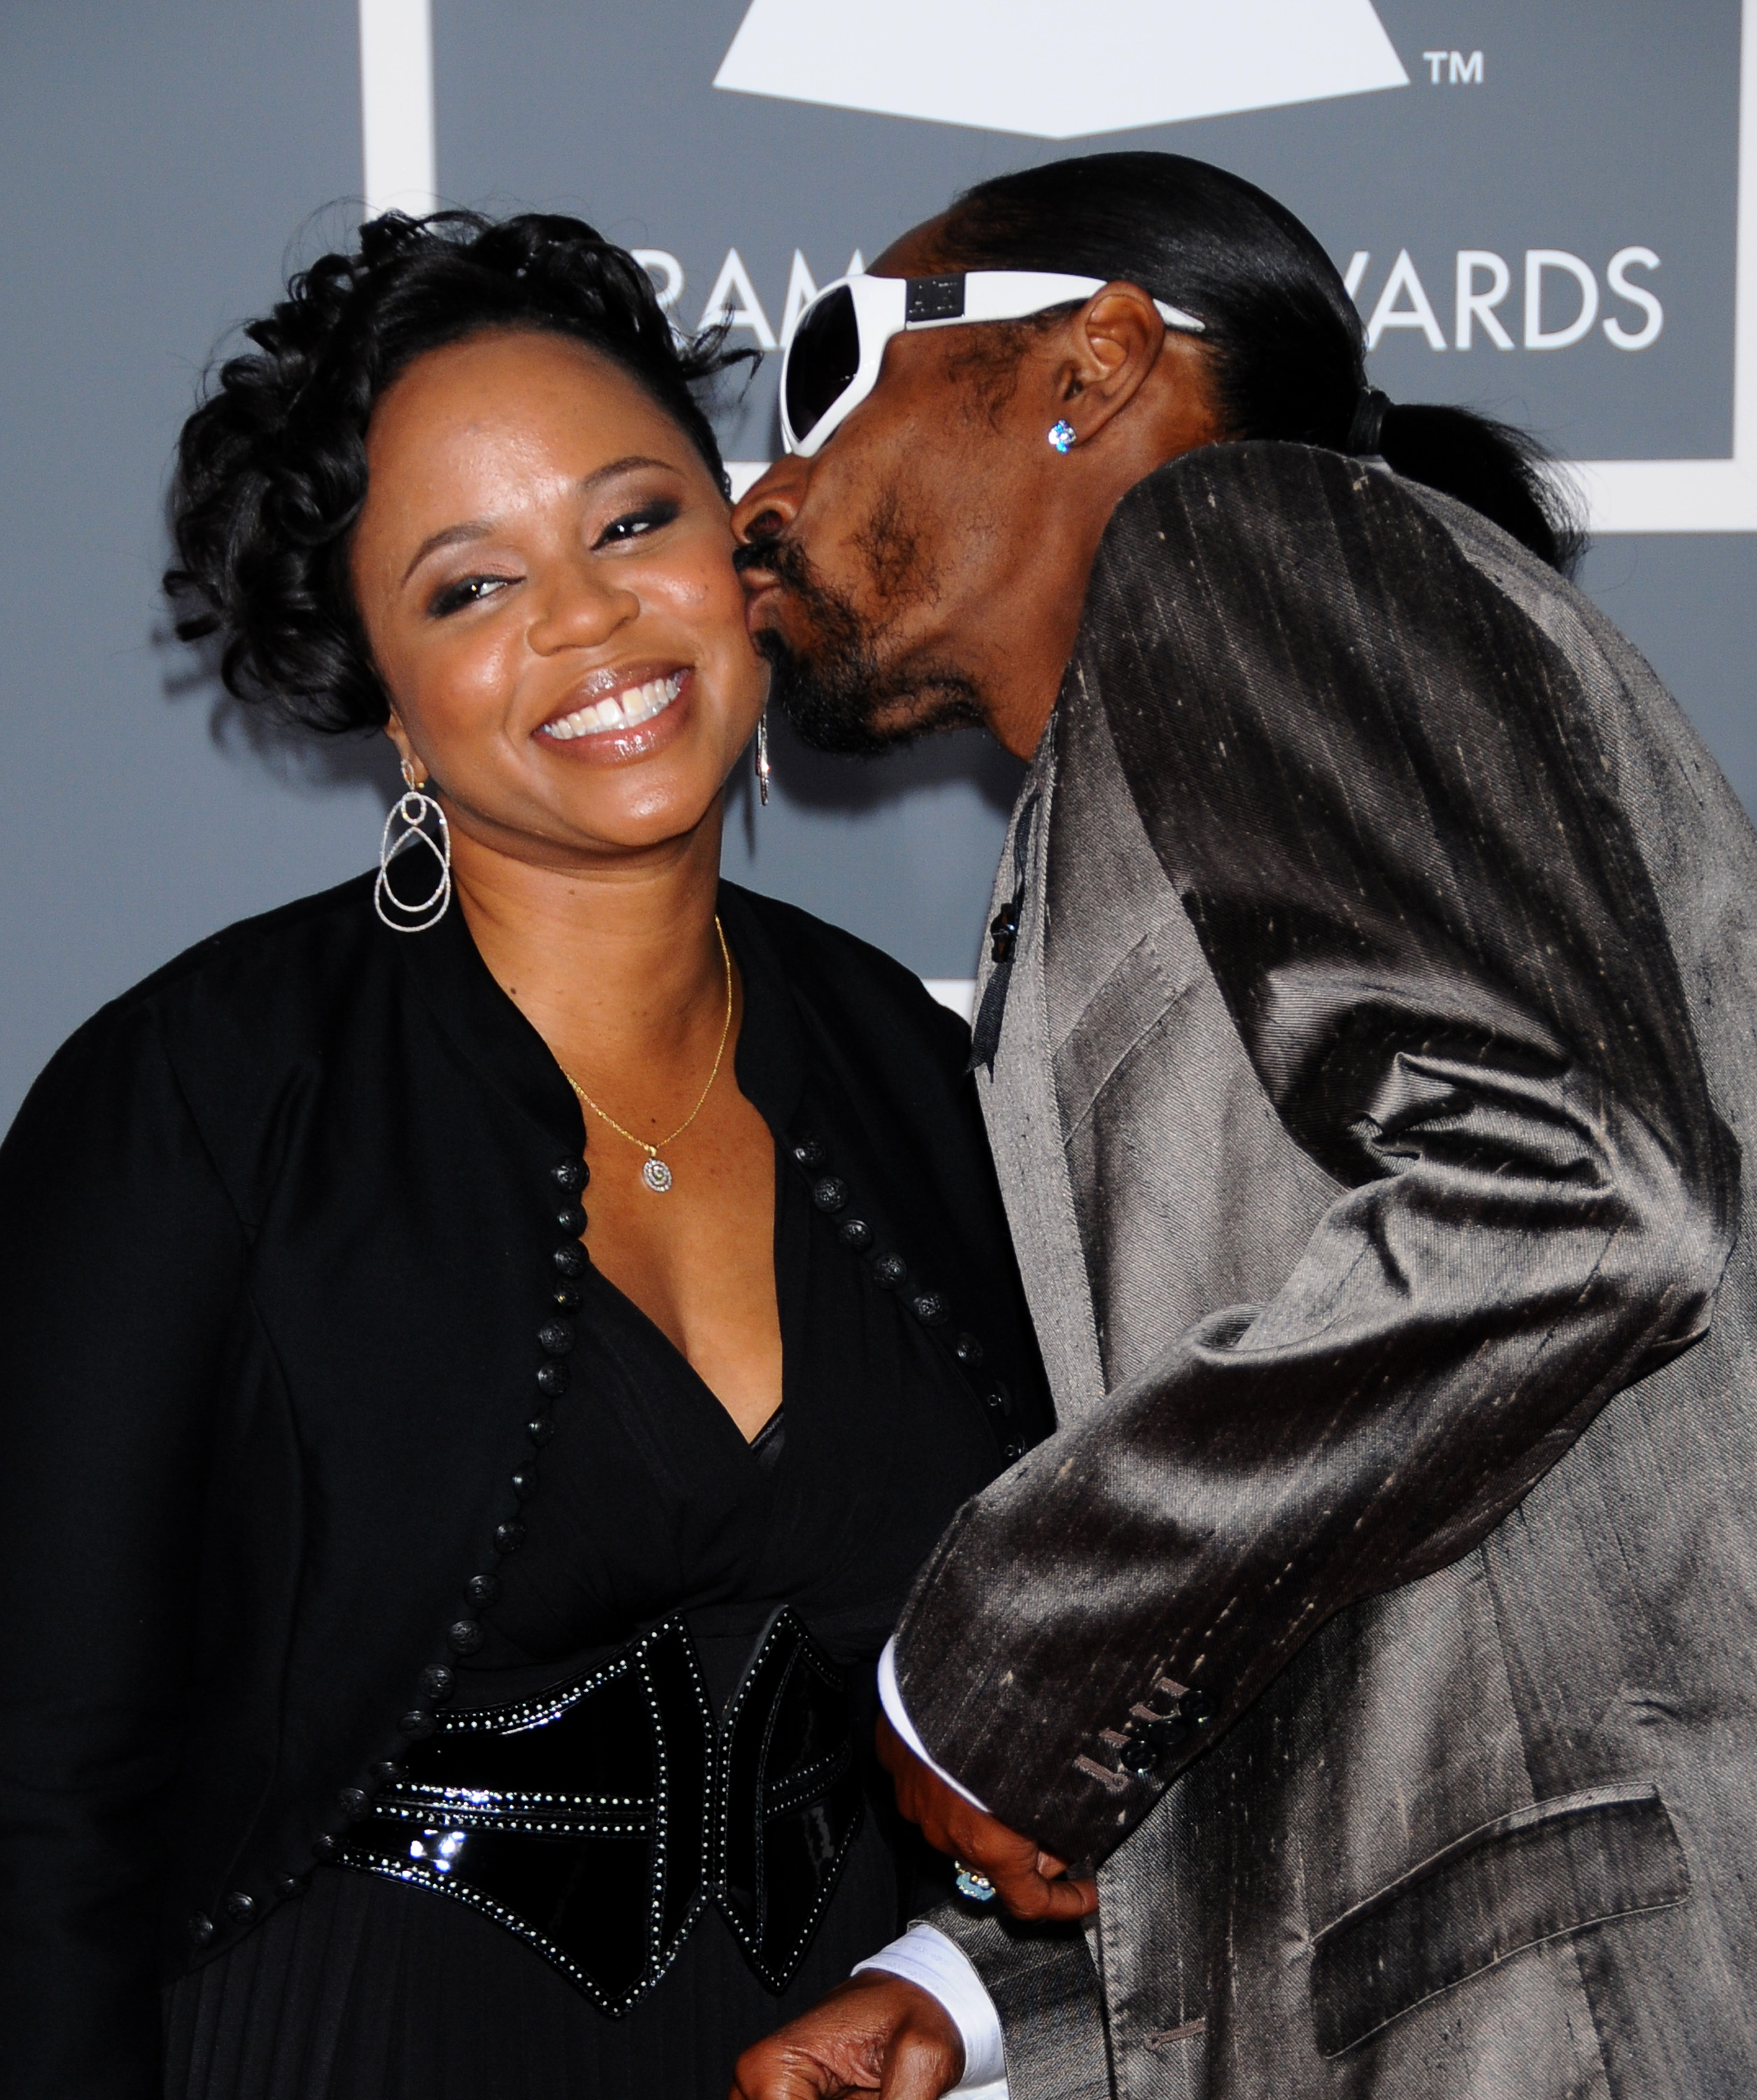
[{"x": 1368, "y": 1080}]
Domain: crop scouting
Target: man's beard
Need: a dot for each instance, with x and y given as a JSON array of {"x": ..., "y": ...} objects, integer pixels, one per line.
[{"x": 833, "y": 691}]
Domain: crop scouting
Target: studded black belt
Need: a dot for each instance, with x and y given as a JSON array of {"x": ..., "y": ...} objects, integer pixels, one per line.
[{"x": 599, "y": 1820}]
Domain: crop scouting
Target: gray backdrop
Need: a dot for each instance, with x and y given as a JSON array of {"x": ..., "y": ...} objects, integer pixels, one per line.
[{"x": 166, "y": 163}]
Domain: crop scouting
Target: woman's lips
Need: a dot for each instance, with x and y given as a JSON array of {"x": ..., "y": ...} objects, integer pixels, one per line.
[{"x": 624, "y": 707}]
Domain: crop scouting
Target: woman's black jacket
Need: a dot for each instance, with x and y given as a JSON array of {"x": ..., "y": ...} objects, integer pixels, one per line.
[{"x": 278, "y": 1232}]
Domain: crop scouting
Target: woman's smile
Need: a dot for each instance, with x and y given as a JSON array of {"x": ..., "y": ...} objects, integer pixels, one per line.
[
  {"x": 613, "y": 698},
  {"x": 637, "y": 718}
]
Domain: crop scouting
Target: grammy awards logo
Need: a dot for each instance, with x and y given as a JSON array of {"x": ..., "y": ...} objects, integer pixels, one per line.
[{"x": 1052, "y": 71}]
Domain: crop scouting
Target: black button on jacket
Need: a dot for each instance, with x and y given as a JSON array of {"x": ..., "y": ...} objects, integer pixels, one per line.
[{"x": 277, "y": 1277}]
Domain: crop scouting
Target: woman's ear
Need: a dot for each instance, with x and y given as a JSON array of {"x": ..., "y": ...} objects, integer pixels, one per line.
[{"x": 405, "y": 751}]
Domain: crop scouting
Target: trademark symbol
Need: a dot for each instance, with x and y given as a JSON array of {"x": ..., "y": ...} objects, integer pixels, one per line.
[{"x": 1457, "y": 70}]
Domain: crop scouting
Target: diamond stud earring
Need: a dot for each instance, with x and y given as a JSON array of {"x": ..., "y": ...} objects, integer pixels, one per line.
[{"x": 1063, "y": 437}]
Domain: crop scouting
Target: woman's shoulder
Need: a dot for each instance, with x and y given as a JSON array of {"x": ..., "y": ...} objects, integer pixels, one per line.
[
  {"x": 194, "y": 1067},
  {"x": 850, "y": 985},
  {"x": 297, "y": 948},
  {"x": 259, "y": 986}
]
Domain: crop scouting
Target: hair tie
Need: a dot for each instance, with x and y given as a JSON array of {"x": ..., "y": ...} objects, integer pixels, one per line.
[{"x": 1370, "y": 409}]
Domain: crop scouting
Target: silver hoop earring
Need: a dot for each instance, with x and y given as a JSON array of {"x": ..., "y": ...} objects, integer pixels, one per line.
[
  {"x": 411, "y": 811},
  {"x": 762, "y": 756}
]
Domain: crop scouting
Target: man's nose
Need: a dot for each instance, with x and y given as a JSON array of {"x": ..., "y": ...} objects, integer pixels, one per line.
[{"x": 772, "y": 501}]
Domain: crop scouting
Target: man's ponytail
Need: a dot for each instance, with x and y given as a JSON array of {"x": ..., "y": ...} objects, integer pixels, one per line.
[
  {"x": 1287, "y": 349},
  {"x": 1494, "y": 468}
]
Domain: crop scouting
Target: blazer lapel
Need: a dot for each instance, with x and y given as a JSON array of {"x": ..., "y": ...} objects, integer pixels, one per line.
[{"x": 1018, "y": 1098}]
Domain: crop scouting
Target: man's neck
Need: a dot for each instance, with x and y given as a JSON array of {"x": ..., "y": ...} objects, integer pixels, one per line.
[
  {"x": 1040, "y": 629},
  {"x": 1042, "y": 626}
]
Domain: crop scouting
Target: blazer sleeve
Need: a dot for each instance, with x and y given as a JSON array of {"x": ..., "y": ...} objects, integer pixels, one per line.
[
  {"x": 1379, "y": 791},
  {"x": 120, "y": 1262}
]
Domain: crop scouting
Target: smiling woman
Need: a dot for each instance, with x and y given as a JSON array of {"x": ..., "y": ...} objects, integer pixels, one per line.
[{"x": 459, "y": 1611}]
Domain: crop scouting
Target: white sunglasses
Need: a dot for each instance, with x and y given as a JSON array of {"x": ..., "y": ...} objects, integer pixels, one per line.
[{"x": 832, "y": 363}]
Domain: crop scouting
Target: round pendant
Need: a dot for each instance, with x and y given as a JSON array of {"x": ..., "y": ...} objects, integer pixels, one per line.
[{"x": 657, "y": 1176}]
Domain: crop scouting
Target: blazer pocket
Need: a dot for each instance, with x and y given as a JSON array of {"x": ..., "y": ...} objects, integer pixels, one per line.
[
  {"x": 1141, "y": 989},
  {"x": 1556, "y": 1867}
]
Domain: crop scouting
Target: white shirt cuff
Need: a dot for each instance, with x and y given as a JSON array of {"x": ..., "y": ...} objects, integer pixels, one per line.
[
  {"x": 926, "y": 1957},
  {"x": 898, "y": 1714}
]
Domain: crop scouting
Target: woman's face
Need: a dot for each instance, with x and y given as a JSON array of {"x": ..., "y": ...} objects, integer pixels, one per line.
[{"x": 543, "y": 566}]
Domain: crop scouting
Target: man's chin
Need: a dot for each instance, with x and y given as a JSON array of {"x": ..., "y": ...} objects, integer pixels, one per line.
[
  {"x": 830, "y": 709},
  {"x": 847, "y": 709}
]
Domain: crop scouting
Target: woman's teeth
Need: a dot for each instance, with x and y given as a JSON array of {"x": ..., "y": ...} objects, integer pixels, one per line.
[{"x": 625, "y": 710}]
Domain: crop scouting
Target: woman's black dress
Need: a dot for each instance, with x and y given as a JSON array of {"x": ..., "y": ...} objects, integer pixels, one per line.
[{"x": 650, "y": 1503}]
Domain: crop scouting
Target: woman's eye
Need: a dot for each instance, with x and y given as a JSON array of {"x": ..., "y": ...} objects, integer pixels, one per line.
[
  {"x": 634, "y": 524},
  {"x": 467, "y": 590}
]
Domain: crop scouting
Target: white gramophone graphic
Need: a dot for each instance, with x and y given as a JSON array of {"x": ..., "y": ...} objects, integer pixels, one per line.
[{"x": 1053, "y": 71}]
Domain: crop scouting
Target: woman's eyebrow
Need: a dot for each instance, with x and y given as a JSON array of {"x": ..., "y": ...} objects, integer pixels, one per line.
[
  {"x": 479, "y": 528},
  {"x": 626, "y": 464},
  {"x": 453, "y": 536}
]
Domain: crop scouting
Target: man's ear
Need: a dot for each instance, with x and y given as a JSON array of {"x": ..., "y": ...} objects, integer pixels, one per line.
[{"x": 1115, "y": 340}]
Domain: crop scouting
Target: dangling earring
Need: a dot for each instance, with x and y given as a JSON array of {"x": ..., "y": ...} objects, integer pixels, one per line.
[
  {"x": 411, "y": 811},
  {"x": 1063, "y": 437},
  {"x": 762, "y": 756}
]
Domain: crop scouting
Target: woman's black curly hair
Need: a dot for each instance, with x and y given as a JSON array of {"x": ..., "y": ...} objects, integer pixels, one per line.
[{"x": 272, "y": 467}]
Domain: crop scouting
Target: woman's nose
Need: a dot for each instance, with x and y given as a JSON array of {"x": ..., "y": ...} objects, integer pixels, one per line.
[{"x": 581, "y": 608}]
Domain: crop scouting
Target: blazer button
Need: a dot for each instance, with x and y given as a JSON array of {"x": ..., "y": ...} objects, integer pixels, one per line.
[
  {"x": 1012, "y": 1452},
  {"x": 292, "y": 1884},
  {"x": 417, "y": 1725},
  {"x": 829, "y": 1194},
  {"x": 854, "y": 1232},
  {"x": 571, "y": 1220},
  {"x": 997, "y": 1398},
  {"x": 483, "y": 1589},
  {"x": 890, "y": 1271},
  {"x": 1196, "y": 1707},
  {"x": 354, "y": 1803},
  {"x": 325, "y": 1847},
  {"x": 570, "y": 1174},
  {"x": 201, "y": 1929},
  {"x": 565, "y": 1297},
  {"x": 464, "y": 1637},
  {"x": 552, "y": 1378},
  {"x": 809, "y": 1153},
  {"x": 929, "y": 1308},
  {"x": 437, "y": 1683},
  {"x": 1166, "y": 1736},
  {"x": 968, "y": 1351},
  {"x": 556, "y": 1336},
  {"x": 509, "y": 1537},
  {"x": 388, "y": 1774},
  {"x": 540, "y": 1428},
  {"x": 241, "y": 1908},
  {"x": 1138, "y": 1758},
  {"x": 570, "y": 1258}
]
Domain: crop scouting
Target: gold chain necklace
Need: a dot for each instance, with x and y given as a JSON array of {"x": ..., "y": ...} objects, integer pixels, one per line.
[{"x": 655, "y": 1174}]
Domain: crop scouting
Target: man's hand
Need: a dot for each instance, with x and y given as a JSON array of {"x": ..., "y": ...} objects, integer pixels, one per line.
[
  {"x": 1028, "y": 1882},
  {"x": 873, "y": 2034}
]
